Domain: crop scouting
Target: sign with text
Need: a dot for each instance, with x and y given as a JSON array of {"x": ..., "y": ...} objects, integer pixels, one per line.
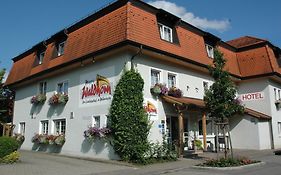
[
  {"x": 150, "y": 107},
  {"x": 95, "y": 89},
  {"x": 252, "y": 96}
]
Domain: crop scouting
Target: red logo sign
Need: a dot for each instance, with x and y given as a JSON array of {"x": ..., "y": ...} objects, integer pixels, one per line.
[
  {"x": 98, "y": 88},
  {"x": 150, "y": 108}
]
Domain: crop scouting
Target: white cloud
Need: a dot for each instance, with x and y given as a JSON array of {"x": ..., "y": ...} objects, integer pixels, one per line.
[{"x": 204, "y": 23}]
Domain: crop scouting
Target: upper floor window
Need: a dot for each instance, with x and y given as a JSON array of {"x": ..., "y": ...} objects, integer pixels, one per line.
[
  {"x": 166, "y": 33},
  {"x": 205, "y": 85},
  {"x": 60, "y": 126},
  {"x": 60, "y": 48},
  {"x": 155, "y": 77},
  {"x": 40, "y": 57},
  {"x": 62, "y": 87},
  {"x": 43, "y": 87},
  {"x": 210, "y": 50},
  {"x": 44, "y": 127},
  {"x": 171, "y": 80}
]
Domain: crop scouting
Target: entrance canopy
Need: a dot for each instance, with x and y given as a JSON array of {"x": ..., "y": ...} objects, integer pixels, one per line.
[{"x": 200, "y": 103}]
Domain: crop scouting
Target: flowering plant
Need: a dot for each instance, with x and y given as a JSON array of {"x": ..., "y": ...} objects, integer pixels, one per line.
[
  {"x": 51, "y": 139},
  {"x": 40, "y": 139},
  {"x": 37, "y": 99},
  {"x": 159, "y": 89},
  {"x": 175, "y": 92},
  {"x": 19, "y": 138},
  {"x": 58, "y": 99},
  {"x": 60, "y": 140},
  {"x": 95, "y": 132}
]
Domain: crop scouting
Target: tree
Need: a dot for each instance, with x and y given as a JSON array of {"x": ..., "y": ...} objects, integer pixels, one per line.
[
  {"x": 6, "y": 102},
  {"x": 128, "y": 119},
  {"x": 220, "y": 99}
]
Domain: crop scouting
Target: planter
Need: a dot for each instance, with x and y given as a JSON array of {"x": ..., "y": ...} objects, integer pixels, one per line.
[
  {"x": 38, "y": 99},
  {"x": 58, "y": 99}
]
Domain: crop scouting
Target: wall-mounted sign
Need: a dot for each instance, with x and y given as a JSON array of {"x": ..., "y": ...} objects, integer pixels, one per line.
[
  {"x": 150, "y": 107},
  {"x": 252, "y": 96},
  {"x": 95, "y": 90}
]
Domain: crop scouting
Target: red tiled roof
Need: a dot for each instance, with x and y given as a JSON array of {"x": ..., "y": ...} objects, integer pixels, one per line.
[
  {"x": 134, "y": 23},
  {"x": 245, "y": 41},
  {"x": 200, "y": 103}
]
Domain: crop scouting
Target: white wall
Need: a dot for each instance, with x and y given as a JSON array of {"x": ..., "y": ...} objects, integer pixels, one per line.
[{"x": 75, "y": 144}]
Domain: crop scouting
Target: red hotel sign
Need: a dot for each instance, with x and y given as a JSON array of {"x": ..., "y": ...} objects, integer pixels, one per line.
[{"x": 252, "y": 96}]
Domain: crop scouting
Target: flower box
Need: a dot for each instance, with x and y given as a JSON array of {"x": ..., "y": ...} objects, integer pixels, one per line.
[
  {"x": 175, "y": 92},
  {"x": 38, "y": 99},
  {"x": 58, "y": 99},
  {"x": 159, "y": 89},
  {"x": 45, "y": 139},
  {"x": 94, "y": 132}
]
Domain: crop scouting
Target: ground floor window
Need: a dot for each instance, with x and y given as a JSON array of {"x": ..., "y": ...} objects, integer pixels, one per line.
[
  {"x": 22, "y": 128},
  {"x": 96, "y": 121},
  {"x": 60, "y": 126},
  {"x": 279, "y": 127},
  {"x": 209, "y": 127},
  {"x": 44, "y": 127}
]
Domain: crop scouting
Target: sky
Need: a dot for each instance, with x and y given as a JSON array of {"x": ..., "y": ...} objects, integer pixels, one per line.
[{"x": 26, "y": 23}]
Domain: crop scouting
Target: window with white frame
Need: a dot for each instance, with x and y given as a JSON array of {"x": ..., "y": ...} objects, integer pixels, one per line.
[
  {"x": 155, "y": 77},
  {"x": 275, "y": 94},
  {"x": 62, "y": 87},
  {"x": 44, "y": 127},
  {"x": 43, "y": 87},
  {"x": 279, "y": 128},
  {"x": 96, "y": 121},
  {"x": 205, "y": 85},
  {"x": 41, "y": 57},
  {"x": 210, "y": 50},
  {"x": 166, "y": 33},
  {"x": 171, "y": 80},
  {"x": 279, "y": 94},
  {"x": 22, "y": 128},
  {"x": 60, "y": 126},
  {"x": 60, "y": 48}
]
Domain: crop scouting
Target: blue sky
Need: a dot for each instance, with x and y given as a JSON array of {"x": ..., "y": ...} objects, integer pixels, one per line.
[{"x": 25, "y": 23}]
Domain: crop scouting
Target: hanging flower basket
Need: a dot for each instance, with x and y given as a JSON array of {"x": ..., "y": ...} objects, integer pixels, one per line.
[
  {"x": 58, "y": 99},
  {"x": 175, "y": 92},
  {"x": 38, "y": 99}
]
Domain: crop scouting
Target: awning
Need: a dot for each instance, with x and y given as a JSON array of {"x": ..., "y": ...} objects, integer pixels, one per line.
[{"x": 200, "y": 103}]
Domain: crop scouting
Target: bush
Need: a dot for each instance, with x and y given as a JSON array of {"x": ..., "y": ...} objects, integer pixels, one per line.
[
  {"x": 128, "y": 119},
  {"x": 161, "y": 152},
  {"x": 228, "y": 162},
  {"x": 11, "y": 158},
  {"x": 7, "y": 146}
]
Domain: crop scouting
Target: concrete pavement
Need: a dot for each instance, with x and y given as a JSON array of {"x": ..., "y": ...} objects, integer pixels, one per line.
[{"x": 34, "y": 163}]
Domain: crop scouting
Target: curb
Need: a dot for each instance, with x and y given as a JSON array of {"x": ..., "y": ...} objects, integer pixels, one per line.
[{"x": 230, "y": 168}]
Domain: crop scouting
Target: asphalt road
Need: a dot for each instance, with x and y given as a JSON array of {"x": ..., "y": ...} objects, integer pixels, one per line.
[{"x": 33, "y": 163}]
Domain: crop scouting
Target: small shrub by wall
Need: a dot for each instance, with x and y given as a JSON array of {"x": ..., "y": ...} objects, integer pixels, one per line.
[{"x": 7, "y": 146}]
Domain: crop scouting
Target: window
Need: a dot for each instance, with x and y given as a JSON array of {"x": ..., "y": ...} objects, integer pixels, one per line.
[
  {"x": 209, "y": 127},
  {"x": 60, "y": 48},
  {"x": 210, "y": 51},
  {"x": 166, "y": 33},
  {"x": 279, "y": 94},
  {"x": 62, "y": 88},
  {"x": 60, "y": 126},
  {"x": 43, "y": 87},
  {"x": 155, "y": 77},
  {"x": 171, "y": 80},
  {"x": 22, "y": 128},
  {"x": 205, "y": 85},
  {"x": 279, "y": 128},
  {"x": 275, "y": 95},
  {"x": 96, "y": 121},
  {"x": 41, "y": 57},
  {"x": 44, "y": 127}
]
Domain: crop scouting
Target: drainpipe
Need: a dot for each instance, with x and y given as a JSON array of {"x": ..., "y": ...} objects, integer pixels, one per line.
[{"x": 138, "y": 53}]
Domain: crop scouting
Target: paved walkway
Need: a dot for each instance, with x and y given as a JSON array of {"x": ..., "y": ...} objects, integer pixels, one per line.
[{"x": 34, "y": 163}]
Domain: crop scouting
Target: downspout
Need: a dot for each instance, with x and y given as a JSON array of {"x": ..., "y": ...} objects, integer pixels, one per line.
[{"x": 138, "y": 53}]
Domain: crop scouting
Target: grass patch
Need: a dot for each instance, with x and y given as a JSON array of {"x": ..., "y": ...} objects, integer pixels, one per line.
[{"x": 228, "y": 162}]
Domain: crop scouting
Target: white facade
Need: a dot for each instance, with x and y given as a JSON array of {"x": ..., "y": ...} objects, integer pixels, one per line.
[{"x": 247, "y": 132}]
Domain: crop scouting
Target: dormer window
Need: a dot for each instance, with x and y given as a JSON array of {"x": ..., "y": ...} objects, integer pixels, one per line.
[
  {"x": 166, "y": 33},
  {"x": 210, "y": 50},
  {"x": 60, "y": 48},
  {"x": 41, "y": 57}
]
